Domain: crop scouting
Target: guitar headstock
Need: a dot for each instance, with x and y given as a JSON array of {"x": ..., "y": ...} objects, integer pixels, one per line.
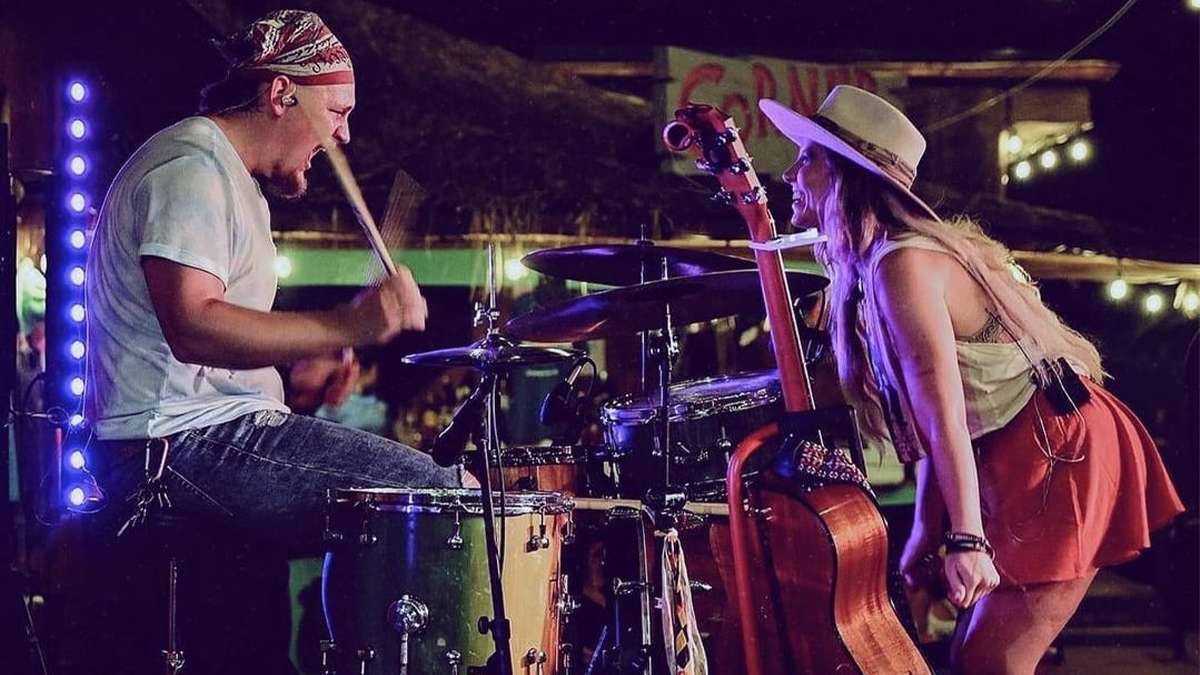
[{"x": 711, "y": 134}]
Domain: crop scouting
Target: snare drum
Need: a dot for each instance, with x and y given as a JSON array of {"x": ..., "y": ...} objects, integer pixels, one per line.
[
  {"x": 708, "y": 418},
  {"x": 406, "y": 580}
]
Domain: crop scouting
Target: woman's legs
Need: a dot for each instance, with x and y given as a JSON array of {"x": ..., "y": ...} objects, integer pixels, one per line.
[{"x": 1009, "y": 630}]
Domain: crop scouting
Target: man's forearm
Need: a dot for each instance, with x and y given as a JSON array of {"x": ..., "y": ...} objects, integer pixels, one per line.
[{"x": 225, "y": 335}]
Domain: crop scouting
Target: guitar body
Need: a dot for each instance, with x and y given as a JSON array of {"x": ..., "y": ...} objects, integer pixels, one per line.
[
  {"x": 810, "y": 563},
  {"x": 833, "y": 601}
]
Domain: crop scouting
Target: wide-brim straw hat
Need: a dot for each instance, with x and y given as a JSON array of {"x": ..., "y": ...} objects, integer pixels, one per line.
[{"x": 863, "y": 128}]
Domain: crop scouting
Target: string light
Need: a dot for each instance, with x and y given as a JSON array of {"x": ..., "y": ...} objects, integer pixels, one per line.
[
  {"x": 1080, "y": 150},
  {"x": 1015, "y": 144},
  {"x": 1023, "y": 170},
  {"x": 1153, "y": 303},
  {"x": 1118, "y": 289},
  {"x": 283, "y": 266},
  {"x": 1191, "y": 301},
  {"x": 1048, "y": 159},
  {"x": 514, "y": 270}
]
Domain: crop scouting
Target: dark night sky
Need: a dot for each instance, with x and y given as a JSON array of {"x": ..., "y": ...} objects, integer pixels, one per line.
[{"x": 1145, "y": 171}]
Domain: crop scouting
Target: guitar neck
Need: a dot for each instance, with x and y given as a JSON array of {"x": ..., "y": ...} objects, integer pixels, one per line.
[{"x": 793, "y": 375}]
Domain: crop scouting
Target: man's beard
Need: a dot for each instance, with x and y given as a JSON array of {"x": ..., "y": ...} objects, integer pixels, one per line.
[{"x": 289, "y": 186}]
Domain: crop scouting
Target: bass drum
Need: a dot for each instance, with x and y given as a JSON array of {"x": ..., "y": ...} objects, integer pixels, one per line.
[
  {"x": 708, "y": 418},
  {"x": 405, "y": 580}
]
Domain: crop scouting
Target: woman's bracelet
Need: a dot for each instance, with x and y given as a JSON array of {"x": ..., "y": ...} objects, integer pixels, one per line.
[{"x": 963, "y": 542}]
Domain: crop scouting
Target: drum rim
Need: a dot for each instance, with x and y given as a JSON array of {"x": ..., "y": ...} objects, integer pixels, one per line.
[
  {"x": 684, "y": 411},
  {"x": 546, "y": 455},
  {"x": 450, "y": 500}
]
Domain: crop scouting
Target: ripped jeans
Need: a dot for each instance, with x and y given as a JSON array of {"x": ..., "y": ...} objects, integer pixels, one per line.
[{"x": 266, "y": 473}]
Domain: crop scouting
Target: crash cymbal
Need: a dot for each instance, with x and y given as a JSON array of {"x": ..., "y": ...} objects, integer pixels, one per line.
[
  {"x": 622, "y": 311},
  {"x": 494, "y": 352},
  {"x": 621, "y": 264}
]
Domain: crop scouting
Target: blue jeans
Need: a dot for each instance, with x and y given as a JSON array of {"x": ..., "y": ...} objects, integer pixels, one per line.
[
  {"x": 243, "y": 494},
  {"x": 268, "y": 472}
]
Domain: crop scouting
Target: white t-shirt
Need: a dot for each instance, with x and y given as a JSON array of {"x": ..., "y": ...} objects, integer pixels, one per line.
[{"x": 187, "y": 197}]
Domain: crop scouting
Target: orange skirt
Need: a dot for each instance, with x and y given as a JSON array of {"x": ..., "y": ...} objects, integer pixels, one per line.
[{"x": 1057, "y": 520}]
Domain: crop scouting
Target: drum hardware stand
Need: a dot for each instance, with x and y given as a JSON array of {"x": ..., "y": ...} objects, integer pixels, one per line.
[{"x": 500, "y": 662}]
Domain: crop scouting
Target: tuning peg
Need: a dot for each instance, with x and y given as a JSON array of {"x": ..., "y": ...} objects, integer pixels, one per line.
[
  {"x": 754, "y": 196},
  {"x": 727, "y": 136},
  {"x": 741, "y": 166},
  {"x": 724, "y": 197}
]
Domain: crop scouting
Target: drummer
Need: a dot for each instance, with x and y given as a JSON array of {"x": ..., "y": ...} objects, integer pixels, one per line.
[{"x": 182, "y": 340}]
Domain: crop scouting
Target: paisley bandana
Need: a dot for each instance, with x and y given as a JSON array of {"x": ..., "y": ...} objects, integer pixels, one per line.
[{"x": 288, "y": 42}]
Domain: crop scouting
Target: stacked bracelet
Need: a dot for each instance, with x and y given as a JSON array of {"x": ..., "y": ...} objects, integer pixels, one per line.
[{"x": 962, "y": 542}]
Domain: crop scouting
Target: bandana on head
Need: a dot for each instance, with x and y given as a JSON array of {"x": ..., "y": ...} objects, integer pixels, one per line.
[{"x": 288, "y": 42}]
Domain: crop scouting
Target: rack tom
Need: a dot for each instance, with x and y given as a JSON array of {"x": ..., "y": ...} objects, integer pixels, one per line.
[{"x": 708, "y": 418}]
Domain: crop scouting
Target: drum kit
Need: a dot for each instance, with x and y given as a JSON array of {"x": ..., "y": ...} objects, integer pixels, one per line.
[{"x": 460, "y": 581}]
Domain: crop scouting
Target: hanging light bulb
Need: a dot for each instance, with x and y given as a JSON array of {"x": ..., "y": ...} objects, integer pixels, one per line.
[
  {"x": 1154, "y": 302},
  {"x": 1118, "y": 289},
  {"x": 1079, "y": 150},
  {"x": 1014, "y": 144},
  {"x": 1048, "y": 159},
  {"x": 1023, "y": 170}
]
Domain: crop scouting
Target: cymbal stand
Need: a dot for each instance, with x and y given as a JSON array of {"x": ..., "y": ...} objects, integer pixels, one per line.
[{"x": 500, "y": 662}]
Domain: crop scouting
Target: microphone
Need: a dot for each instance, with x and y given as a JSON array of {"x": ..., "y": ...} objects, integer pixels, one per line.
[
  {"x": 449, "y": 444},
  {"x": 557, "y": 406}
]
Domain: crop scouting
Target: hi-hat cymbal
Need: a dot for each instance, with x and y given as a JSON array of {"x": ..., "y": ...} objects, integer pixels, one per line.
[
  {"x": 622, "y": 264},
  {"x": 493, "y": 352},
  {"x": 622, "y": 311}
]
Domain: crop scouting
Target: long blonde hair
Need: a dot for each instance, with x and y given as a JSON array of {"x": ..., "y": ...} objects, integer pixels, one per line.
[{"x": 860, "y": 211}]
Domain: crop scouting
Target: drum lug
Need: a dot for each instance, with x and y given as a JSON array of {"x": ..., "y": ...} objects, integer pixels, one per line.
[
  {"x": 328, "y": 649},
  {"x": 455, "y": 541},
  {"x": 566, "y": 604},
  {"x": 622, "y": 587},
  {"x": 568, "y": 529},
  {"x": 330, "y": 535},
  {"x": 408, "y": 615},
  {"x": 538, "y": 541},
  {"x": 536, "y": 657},
  {"x": 366, "y": 537},
  {"x": 454, "y": 660},
  {"x": 564, "y": 658},
  {"x": 365, "y": 656}
]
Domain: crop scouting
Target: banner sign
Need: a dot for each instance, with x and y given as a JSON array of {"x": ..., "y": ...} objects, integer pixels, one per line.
[{"x": 736, "y": 85}]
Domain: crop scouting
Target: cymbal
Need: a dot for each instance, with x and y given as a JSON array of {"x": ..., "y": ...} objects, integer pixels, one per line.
[
  {"x": 621, "y": 264},
  {"x": 493, "y": 352},
  {"x": 621, "y": 311}
]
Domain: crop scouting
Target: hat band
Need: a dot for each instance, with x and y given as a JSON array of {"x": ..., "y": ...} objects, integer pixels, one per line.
[{"x": 888, "y": 161}]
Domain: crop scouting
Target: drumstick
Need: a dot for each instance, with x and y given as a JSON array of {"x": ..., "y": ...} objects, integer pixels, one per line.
[
  {"x": 345, "y": 178},
  {"x": 341, "y": 169}
]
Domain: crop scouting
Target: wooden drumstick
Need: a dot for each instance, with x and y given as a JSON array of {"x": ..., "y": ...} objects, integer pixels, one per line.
[
  {"x": 346, "y": 180},
  {"x": 341, "y": 169}
]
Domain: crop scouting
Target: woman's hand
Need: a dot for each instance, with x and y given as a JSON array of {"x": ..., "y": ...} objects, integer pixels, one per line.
[{"x": 970, "y": 575}]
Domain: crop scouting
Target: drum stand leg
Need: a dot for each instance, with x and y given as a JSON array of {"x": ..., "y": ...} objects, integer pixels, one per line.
[
  {"x": 501, "y": 661},
  {"x": 172, "y": 655}
]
